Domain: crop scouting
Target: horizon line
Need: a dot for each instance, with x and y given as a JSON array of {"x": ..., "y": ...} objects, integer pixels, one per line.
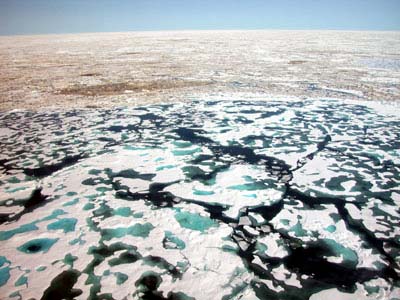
[{"x": 196, "y": 30}]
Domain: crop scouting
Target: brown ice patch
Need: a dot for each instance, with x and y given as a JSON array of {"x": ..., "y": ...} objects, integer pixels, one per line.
[
  {"x": 132, "y": 53},
  {"x": 90, "y": 74},
  {"x": 129, "y": 87},
  {"x": 297, "y": 62}
]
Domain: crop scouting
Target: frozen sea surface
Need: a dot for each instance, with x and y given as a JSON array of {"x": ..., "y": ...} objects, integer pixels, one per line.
[
  {"x": 201, "y": 200},
  {"x": 135, "y": 68}
]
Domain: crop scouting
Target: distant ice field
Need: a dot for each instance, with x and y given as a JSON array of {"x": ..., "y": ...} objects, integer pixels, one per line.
[{"x": 201, "y": 200}]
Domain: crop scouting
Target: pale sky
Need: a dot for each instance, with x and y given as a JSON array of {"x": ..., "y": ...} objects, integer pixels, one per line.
[{"x": 71, "y": 16}]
